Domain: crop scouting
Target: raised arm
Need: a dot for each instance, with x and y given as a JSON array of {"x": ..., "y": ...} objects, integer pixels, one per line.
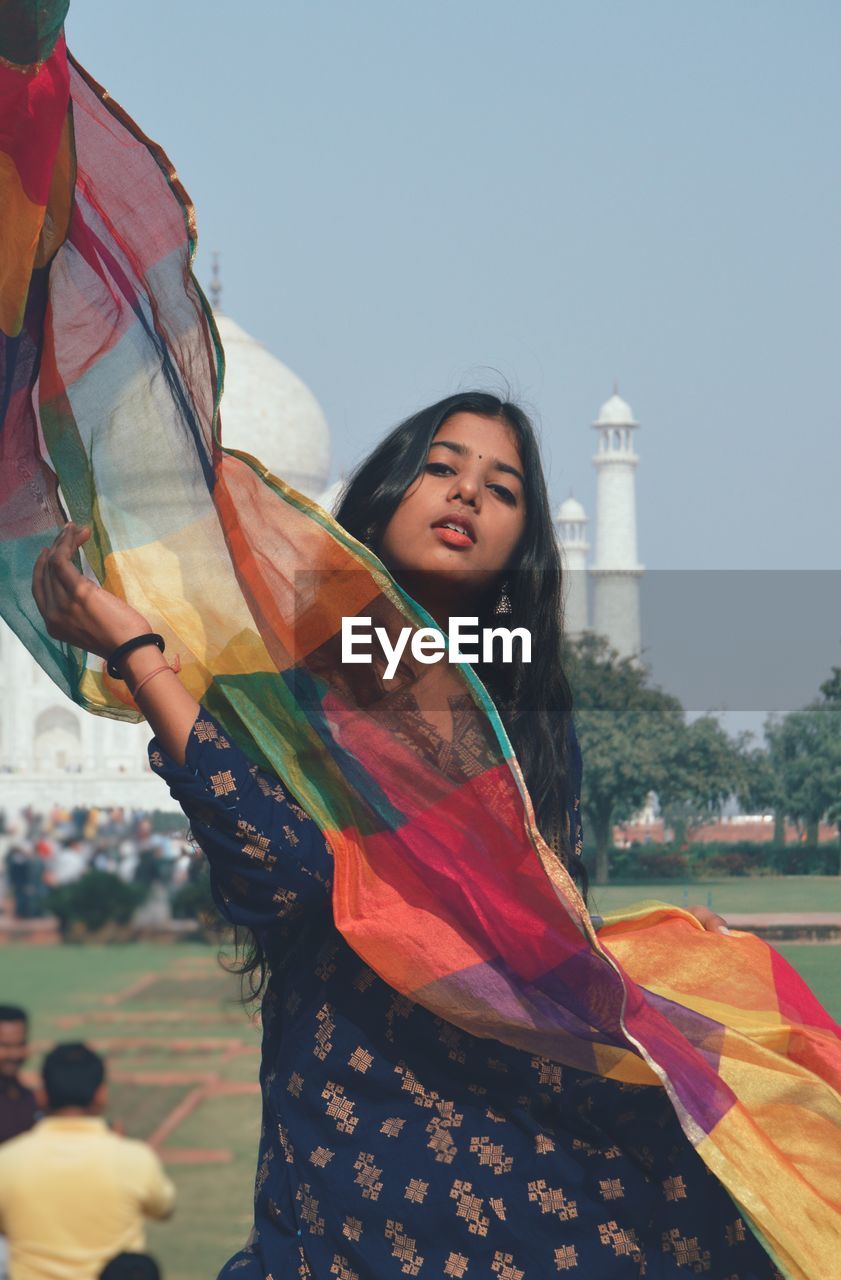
[
  {"x": 80, "y": 612},
  {"x": 269, "y": 860}
]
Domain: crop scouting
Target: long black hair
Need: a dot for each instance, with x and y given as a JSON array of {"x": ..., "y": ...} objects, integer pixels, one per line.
[{"x": 533, "y": 699}]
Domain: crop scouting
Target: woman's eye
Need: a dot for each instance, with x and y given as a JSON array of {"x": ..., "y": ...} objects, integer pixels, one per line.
[
  {"x": 438, "y": 468},
  {"x": 505, "y": 494}
]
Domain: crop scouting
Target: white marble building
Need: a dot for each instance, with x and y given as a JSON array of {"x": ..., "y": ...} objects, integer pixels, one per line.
[
  {"x": 53, "y": 752},
  {"x": 604, "y": 595}
]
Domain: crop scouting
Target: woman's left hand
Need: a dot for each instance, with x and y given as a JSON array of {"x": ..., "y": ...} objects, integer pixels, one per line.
[{"x": 709, "y": 919}]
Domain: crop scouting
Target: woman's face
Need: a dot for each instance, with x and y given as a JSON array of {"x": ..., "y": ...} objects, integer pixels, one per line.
[{"x": 473, "y": 478}]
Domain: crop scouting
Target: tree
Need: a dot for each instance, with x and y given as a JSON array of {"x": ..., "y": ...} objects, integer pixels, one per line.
[
  {"x": 627, "y": 732},
  {"x": 704, "y": 767},
  {"x": 761, "y": 788},
  {"x": 806, "y": 745},
  {"x": 831, "y": 688}
]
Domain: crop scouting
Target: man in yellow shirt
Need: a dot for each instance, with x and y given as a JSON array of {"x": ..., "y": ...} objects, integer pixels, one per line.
[{"x": 72, "y": 1192}]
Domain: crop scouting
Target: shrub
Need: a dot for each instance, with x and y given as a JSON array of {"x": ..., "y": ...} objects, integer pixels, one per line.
[
  {"x": 194, "y": 901},
  {"x": 93, "y": 901}
]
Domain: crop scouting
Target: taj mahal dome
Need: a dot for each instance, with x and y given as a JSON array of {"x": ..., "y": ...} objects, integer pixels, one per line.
[{"x": 53, "y": 752}]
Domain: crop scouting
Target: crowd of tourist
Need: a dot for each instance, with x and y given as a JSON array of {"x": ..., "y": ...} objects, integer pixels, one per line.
[
  {"x": 41, "y": 850},
  {"x": 74, "y": 1193}
]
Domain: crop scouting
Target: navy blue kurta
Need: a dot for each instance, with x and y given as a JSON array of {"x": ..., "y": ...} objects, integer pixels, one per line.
[{"x": 394, "y": 1144}]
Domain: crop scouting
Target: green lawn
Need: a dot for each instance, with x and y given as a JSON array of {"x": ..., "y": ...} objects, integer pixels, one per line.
[
  {"x": 214, "y": 1200},
  {"x": 738, "y": 893},
  {"x": 213, "y": 1216}
]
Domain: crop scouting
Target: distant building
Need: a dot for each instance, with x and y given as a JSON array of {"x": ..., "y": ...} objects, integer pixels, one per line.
[{"x": 603, "y": 594}]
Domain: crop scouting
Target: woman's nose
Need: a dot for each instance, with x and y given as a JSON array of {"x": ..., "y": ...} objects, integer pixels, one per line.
[{"x": 468, "y": 489}]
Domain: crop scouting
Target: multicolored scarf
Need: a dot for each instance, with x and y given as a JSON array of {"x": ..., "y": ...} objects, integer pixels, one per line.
[{"x": 112, "y": 375}]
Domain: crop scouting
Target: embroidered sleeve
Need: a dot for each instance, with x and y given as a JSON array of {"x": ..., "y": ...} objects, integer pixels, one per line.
[{"x": 268, "y": 859}]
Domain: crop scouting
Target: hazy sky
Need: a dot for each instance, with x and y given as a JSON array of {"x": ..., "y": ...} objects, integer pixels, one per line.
[{"x": 407, "y": 197}]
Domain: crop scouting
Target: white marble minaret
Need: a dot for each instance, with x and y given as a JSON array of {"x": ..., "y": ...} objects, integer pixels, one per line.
[
  {"x": 615, "y": 571},
  {"x": 571, "y": 522}
]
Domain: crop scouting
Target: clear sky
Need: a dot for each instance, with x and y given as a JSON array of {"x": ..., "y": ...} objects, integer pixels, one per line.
[{"x": 409, "y": 198}]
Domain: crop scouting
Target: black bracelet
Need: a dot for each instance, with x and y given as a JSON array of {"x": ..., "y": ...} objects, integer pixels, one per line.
[{"x": 151, "y": 637}]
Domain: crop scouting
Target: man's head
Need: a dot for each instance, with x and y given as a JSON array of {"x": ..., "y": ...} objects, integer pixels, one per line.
[
  {"x": 74, "y": 1079},
  {"x": 131, "y": 1266},
  {"x": 14, "y": 1041}
]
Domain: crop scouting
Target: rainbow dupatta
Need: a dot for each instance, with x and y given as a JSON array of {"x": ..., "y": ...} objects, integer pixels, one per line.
[{"x": 112, "y": 374}]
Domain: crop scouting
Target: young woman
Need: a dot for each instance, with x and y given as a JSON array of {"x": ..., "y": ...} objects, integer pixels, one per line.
[{"x": 392, "y": 1143}]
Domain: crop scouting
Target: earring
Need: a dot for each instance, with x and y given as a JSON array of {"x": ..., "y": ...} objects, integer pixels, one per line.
[
  {"x": 368, "y": 536},
  {"x": 503, "y": 604}
]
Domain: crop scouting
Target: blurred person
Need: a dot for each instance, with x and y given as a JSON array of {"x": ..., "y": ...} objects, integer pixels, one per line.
[
  {"x": 131, "y": 1266},
  {"x": 18, "y": 1104},
  {"x": 69, "y": 862},
  {"x": 73, "y": 1193},
  {"x": 19, "y": 868}
]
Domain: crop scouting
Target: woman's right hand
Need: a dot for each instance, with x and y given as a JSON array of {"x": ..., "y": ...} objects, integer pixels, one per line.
[{"x": 76, "y": 610}]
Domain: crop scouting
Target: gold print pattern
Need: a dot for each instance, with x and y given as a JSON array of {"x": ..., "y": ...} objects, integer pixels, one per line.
[
  {"x": 285, "y": 1144},
  {"x": 341, "y": 1268},
  {"x": 498, "y": 1206},
  {"x": 543, "y": 1144},
  {"x": 222, "y": 782},
  {"x": 456, "y": 1266},
  {"x": 321, "y": 1157},
  {"x": 296, "y": 1084},
  {"x": 490, "y": 1114},
  {"x": 400, "y": 1007},
  {"x": 285, "y": 899},
  {"x": 469, "y": 1207},
  {"x": 403, "y": 1248},
  {"x": 352, "y": 1228},
  {"x": 326, "y": 1027},
  {"x": 156, "y": 759},
  {"x": 452, "y": 1039},
  {"x": 291, "y": 836},
  {"x": 325, "y": 965},
  {"x": 686, "y": 1250},
  {"x": 255, "y": 844},
  {"x": 674, "y": 1188},
  {"x": 552, "y": 1200},
  {"x": 309, "y": 1209},
  {"x": 416, "y": 1190},
  {"x": 420, "y": 1096},
  {"x": 611, "y": 1188},
  {"x": 392, "y": 1126},
  {"x": 491, "y": 1154},
  {"x": 205, "y": 731},
  {"x": 364, "y": 978},
  {"x": 361, "y": 1060},
  {"x": 263, "y": 1171},
  {"x": 566, "y": 1258},
  {"x": 368, "y": 1176},
  {"x": 439, "y": 1129},
  {"x": 548, "y": 1072},
  {"x": 267, "y": 788},
  {"x": 734, "y": 1232},
  {"x": 503, "y": 1266},
  {"x": 340, "y": 1108},
  {"x": 623, "y": 1240}
]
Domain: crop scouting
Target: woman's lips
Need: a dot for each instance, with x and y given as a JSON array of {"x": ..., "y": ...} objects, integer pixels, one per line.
[{"x": 452, "y": 537}]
